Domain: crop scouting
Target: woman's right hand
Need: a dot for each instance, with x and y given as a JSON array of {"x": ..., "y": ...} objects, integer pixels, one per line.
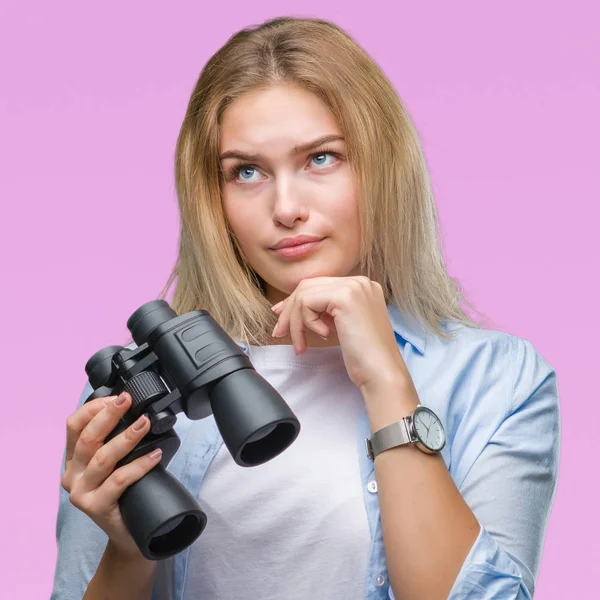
[{"x": 90, "y": 477}]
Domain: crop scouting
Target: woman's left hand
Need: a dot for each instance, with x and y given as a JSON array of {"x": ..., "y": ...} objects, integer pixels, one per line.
[{"x": 355, "y": 308}]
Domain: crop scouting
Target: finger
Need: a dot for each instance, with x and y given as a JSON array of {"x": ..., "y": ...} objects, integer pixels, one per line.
[
  {"x": 313, "y": 318},
  {"x": 329, "y": 322},
  {"x": 123, "y": 477},
  {"x": 281, "y": 328},
  {"x": 306, "y": 314},
  {"x": 107, "y": 456},
  {"x": 77, "y": 422},
  {"x": 96, "y": 431},
  {"x": 277, "y": 307},
  {"x": 296, "y": 328},
  {"x": 319, "y": 296},
  {"x": 286, "y": 309}
]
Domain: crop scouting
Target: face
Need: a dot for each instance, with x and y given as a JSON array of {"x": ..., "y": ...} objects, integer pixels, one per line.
[{"x": 274, "y": 189}]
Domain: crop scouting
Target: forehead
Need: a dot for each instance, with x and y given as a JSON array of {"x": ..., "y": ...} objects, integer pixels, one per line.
[{"x": 281, "y": 116}]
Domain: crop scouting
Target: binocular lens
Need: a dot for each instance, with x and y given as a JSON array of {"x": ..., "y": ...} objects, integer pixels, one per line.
[
  {"x": 179, "y": 533},
  {"x": 99, "y": 366},
  {"x": 254, "y": 421},
  {"x": 161, "y": 515},
  {"x": 263, "y": 433},
  {"x": 262, "y": 447},
  {"x": 147, "y": 317}
]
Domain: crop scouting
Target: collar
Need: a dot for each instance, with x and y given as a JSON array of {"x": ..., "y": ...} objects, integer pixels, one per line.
[{"x": 408, "y": 328}]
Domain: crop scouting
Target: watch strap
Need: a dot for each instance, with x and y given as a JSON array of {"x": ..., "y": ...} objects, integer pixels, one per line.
[{"x": 390, "y": 436}]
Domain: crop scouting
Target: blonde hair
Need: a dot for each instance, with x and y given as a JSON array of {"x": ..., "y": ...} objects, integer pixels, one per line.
[{"x": 398, "y": 217}]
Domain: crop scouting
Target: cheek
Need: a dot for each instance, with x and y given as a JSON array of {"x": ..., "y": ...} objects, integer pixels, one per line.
[
  {"x": 344, "y": 213},
  {"x": 243, "y": 225}
]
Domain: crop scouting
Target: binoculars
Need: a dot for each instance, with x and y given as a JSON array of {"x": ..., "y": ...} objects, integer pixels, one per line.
[{"x": 185, "y": 363}]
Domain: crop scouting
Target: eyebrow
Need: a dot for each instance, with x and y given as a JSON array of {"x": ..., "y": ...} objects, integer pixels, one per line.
[{"x": 301, "y": 148}]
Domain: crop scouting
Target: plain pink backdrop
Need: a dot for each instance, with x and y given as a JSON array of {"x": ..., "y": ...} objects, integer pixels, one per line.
[{"x": 505, "y": 99}]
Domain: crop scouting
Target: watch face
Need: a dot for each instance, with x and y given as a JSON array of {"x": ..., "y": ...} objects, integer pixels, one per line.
[{"x": 429, "y": 429}]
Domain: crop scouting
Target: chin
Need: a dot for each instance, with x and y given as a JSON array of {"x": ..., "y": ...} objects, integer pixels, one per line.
[
  {"x": 289, "y": 285},
  {"x": 286, "y": 278}
]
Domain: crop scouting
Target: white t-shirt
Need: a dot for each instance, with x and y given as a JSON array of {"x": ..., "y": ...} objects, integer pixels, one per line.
[{"x": 294, "y": 528}]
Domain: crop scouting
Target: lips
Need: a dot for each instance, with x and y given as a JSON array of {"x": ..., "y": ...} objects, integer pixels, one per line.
[
  {"x": 295, "y": 241},
  {"x": 298, "y": 250}
]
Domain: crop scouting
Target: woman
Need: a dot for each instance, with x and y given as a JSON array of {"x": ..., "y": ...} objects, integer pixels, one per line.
[{"x": 293, "y": 131}]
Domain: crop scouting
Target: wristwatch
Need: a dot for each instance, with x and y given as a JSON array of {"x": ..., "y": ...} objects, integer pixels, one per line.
[{"x": 422, "y": 428}]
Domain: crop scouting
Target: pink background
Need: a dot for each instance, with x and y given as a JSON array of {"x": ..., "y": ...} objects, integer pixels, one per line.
[{"x": 505, "y": 98}]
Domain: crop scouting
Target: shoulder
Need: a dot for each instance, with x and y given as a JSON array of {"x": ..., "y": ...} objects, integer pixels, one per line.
[
  {"x": 489, "y": 380},
  {"x": 489, "y": 357}
]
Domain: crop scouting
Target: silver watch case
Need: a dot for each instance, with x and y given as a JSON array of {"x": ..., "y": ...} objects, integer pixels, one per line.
[{"x": 400, "y": 433}]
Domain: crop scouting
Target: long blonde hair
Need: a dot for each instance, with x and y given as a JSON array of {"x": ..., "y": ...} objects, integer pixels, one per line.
[{"x": 398, "y": 217}]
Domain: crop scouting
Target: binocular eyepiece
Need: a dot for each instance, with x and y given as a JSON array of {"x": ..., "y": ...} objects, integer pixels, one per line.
[{"x": 186, "y": 364}]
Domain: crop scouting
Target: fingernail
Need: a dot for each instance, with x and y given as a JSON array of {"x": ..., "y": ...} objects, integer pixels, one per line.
[
  {"x": 156, "y": 454},
  {"x": 120, "y": 399},
  {"x": 109, "y": 399},
  {"x": 323, "y": 337},
  {"x": 139, "y": 424}
]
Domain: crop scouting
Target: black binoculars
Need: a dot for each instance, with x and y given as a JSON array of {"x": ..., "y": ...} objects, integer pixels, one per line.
[{"x": 185, "y": 363}]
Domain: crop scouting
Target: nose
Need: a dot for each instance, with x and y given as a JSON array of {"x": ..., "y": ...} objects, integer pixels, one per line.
[{"x": 288, "y": 206}]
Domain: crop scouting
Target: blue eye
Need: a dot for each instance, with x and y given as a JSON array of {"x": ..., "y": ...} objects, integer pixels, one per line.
[
  {"x": 236, "y": 170},
  {"x": 245, "y": 169},
  {"x": 321, "y": 154}
]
